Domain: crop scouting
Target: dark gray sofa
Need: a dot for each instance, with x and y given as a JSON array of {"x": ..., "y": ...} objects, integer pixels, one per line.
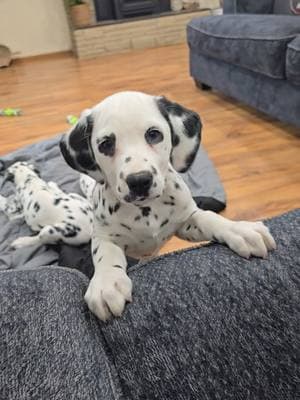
[
  {"x": 204, "y": 324},
  {"x": 251, "y": 53}
]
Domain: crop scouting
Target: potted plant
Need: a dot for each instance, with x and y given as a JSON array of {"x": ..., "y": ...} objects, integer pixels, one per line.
[{"x": 80, "y": 13}]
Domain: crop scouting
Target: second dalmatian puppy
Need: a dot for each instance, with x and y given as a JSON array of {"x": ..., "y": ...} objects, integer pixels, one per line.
[{"x": 54, "y": 214}]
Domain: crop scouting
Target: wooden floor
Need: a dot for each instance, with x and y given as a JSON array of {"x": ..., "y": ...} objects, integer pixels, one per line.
[{"x": 257, "y": 157}]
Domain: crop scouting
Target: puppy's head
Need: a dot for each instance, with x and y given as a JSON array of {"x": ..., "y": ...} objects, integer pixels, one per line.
[
  {"x": 128, "y": 141},
  {"x": 19, "y": 171}
]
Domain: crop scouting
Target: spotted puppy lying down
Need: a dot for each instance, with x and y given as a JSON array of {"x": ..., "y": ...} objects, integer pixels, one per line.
[
  {"x": 57, "y": 216},
  {"x": 133, "y": 145}
]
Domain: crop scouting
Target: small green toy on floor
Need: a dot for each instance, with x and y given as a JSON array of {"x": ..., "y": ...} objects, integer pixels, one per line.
[
  {"x": 72, "y": 119},
  {"x": 10, "y": 112}
]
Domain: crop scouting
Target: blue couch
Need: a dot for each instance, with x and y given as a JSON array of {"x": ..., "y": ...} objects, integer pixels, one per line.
[{"x": 250, "y": 53}]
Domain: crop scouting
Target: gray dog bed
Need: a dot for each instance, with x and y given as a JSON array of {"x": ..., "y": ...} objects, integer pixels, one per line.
[
  {"x": 202, "y": 179},
  {"x": 204, "y": 324}
]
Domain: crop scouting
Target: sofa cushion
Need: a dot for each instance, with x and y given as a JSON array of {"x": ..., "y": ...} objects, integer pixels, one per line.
[
  {"x": 293, "y": 61},
  {"x": 204, "y": 324},
  {"x": 51, "y": 346},
  {"x": 255, "y": 42}
]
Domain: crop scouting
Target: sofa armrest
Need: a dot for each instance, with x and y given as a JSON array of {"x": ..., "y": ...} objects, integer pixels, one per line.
[{"x": 248, "y": 6}]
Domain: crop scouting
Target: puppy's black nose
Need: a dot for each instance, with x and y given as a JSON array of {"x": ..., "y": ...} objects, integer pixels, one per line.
[{"x": 140, "y": 183}]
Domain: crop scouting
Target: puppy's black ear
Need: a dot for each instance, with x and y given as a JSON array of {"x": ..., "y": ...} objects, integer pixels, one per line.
[
  {"x": 185, "y": 128},
  {"x": 76, "y": 148}
]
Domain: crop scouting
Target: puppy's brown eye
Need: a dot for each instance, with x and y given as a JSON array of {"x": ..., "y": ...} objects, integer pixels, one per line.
[
  {"x": 153, "y": 136},
  {"x": 107, "y": 145}
]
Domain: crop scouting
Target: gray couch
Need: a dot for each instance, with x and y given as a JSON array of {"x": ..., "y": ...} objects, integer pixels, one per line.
[
  {"x": 251, "y": 53},
  {"x": 204, "y": 324}
]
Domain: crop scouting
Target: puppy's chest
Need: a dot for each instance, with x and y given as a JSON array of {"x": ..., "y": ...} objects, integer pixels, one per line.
[{"x": 140, "y": 231}]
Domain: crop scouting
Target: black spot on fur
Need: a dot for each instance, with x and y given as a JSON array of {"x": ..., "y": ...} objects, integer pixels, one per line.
[
  {"x": 126, "y": 226},
  {"x": 117, "y": 206},
  {"x": 137, "y": 218},
  {"x": 70, "y": 233},
  {"x": 145, "y": 211},
  {"x": 103, "y": 202},
  {"x": 127, "y": 159},
  {"x": 102, "y": 216},
  {"x": 155, "y": 216},
  {"x": 36, "y": 206},
  {"x": 192, "y": 124},
  {"x": 66, "y": 207},
  {"x": 83, "y": 211},
  {"x": 164, "y": 223},
  {"x": 51, "y": 231},
  {"x": 154, "y": 170},
  {"x": 188, "y": 227},
  {"x": 121, "y": 175},
  {"x": 177, "y": 186},
  {"x": 117, "y": 266},
  {"x": 95, "y": 250},
  {"x": 110, "y": 209},
  {"x": 100, "y": 259},
  {"x": 29, "y": 204},
  {"x": 169, "y": 203}
]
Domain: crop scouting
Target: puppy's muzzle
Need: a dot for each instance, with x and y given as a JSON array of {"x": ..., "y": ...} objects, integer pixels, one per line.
[{"x": 140, "y": 183}]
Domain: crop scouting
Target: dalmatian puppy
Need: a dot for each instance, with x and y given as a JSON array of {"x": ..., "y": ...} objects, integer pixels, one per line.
[
  {"x": 57, "y": 216},
  {"x": 133, "y": 145}
]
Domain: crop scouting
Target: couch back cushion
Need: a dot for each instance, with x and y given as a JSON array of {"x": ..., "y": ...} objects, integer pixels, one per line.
[{"x": 254, "y": 42}]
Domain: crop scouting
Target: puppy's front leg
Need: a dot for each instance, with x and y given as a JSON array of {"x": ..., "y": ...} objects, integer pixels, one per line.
[
  {"x": 245, "y": 238},
  {"x": 110, "y": 287}
]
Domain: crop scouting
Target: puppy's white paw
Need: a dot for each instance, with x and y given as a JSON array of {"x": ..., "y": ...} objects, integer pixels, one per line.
[
  {"x": 21, "y": 242},
  {"x": 108, "y": 293},
  {"x": 248, "y": 238}
]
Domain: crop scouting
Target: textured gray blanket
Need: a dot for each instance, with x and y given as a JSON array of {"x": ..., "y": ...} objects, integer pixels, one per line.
[
  {"x": 204, "y": 324},
  {"x": 202, "y": 179}
]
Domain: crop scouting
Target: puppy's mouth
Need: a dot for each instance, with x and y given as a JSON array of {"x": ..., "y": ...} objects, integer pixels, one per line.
[{"x": 139, "y": 198}]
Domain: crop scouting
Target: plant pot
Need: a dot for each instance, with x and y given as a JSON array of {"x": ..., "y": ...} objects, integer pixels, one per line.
[
  {"x": 80, "y": 15},
  {"x": 5, "y": 56}
]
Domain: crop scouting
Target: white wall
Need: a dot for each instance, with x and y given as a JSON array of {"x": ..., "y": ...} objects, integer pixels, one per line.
[{"x": 32, "y": 27}]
